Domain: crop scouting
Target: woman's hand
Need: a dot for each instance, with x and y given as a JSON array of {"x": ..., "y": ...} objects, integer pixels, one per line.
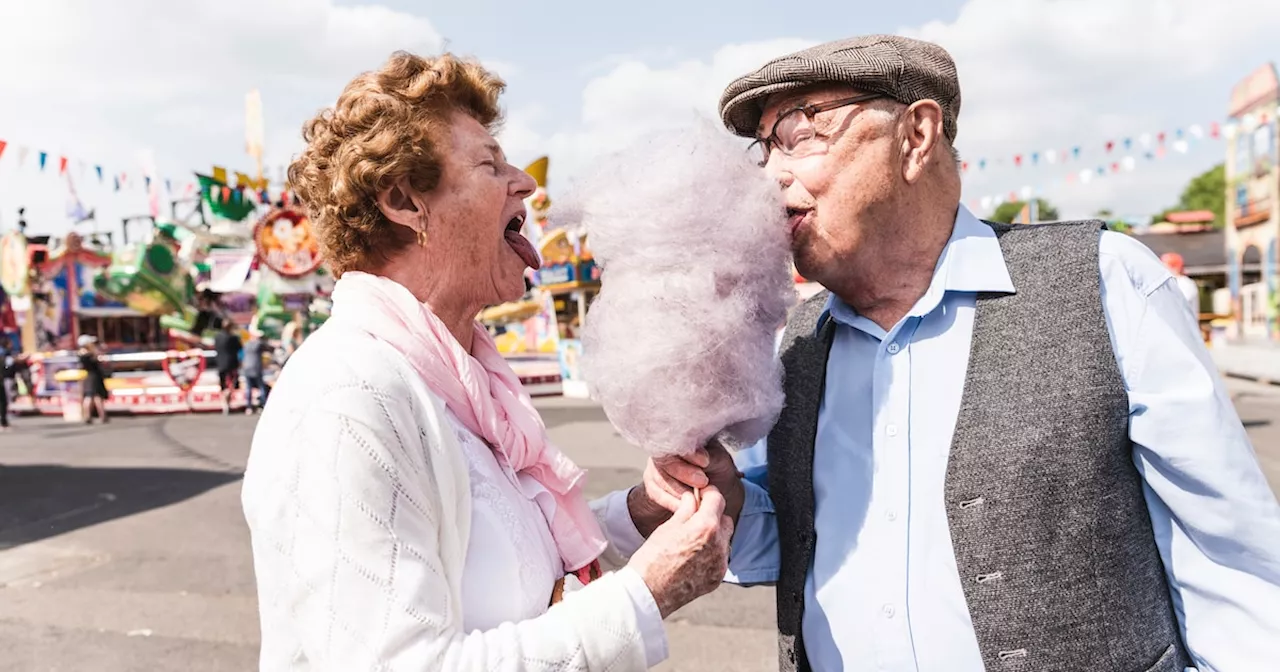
[
  {"x": 667, "y": 479},
  {"x": 687, "y": 556}
]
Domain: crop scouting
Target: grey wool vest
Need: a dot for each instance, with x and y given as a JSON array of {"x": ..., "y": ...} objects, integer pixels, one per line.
[{"x": 1048, "y": 521}]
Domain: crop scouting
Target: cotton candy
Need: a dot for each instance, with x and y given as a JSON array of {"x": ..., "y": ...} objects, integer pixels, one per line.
[{"x": 679, "y": 345}]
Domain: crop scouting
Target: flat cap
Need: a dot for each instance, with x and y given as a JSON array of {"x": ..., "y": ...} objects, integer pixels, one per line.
[{"x": 901, "y": 68}]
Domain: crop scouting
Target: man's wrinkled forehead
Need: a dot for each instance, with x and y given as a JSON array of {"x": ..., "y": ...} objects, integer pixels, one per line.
[{"x": 805, "y": 95}]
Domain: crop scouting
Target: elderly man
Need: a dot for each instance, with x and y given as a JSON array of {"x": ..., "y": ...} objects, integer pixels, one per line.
[{"x": 1004, "y": 448}]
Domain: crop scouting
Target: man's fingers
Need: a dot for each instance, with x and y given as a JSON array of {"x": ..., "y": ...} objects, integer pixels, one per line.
[
  {"x": 662, "y": 489},
  {"x": 684, "y": 472}
]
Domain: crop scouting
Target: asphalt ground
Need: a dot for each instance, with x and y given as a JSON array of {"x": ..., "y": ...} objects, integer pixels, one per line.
[{"x": 123, "y": 547}]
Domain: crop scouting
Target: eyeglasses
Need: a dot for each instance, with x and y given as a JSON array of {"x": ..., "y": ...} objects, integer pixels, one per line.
[{"x": 793, "y": 133}]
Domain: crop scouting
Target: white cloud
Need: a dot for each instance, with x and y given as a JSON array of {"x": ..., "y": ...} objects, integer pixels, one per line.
[
  {"x": 633, "y": 98},
  {"x": 99, "y": 81},
  {"x": 1035, "y": 75}
]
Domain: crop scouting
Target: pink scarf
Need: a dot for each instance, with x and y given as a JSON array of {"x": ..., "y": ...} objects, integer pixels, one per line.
[{"x": 483, "y": 393}]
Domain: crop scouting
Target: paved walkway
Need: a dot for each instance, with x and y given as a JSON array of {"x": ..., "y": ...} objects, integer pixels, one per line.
[{"x": 1256, "y": 360}]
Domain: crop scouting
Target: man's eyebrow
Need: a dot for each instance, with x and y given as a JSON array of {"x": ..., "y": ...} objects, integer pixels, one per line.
[{"x": 788, "y": 101}]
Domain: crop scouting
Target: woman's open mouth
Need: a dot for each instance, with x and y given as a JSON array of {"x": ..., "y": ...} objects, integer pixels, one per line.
[{"x": 520, "y": 244}]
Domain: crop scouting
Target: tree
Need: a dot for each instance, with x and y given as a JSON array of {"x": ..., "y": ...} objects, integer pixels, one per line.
[
  {"x": 1206, "y": 191},
  {"x": 1007, "y": 212},
  {"x": 1114, "y": 223}
]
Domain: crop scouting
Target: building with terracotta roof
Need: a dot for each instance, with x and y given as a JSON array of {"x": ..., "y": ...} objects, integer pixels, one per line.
[{"x": 1253, "y": 210}]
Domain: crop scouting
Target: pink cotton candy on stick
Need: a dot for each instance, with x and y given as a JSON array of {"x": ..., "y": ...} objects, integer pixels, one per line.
[{"x": 679, "y": 345}]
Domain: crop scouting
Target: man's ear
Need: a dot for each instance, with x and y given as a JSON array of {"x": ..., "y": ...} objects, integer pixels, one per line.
[
  {"x": 400, "y": 204},
  {"x": 923, "y": 134}
]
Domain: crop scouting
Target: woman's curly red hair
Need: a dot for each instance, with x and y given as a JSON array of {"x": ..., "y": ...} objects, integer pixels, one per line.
[{"x": 388, "y": 124}]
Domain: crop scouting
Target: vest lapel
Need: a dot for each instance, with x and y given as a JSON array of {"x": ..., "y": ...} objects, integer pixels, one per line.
[{"x": 805, "y": 347}]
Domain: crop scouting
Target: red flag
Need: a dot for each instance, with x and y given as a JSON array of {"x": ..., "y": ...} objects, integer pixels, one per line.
[
  {"x": 964, "y": 166},
  {"x": 1214, "y": 130},
  {"x": 3, "y": 144},
  {"x": 1017, "y": 160},
  {"x": 1115, "y": 167},
  {"x": 62, "y": 165},
  {"x": 1110, "y": 145},
  {"x": 1160, "y": 137},
  {"x": 226, "y": 193}
]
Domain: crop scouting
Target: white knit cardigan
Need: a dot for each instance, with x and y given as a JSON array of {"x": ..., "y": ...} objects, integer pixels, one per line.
[{"x": 355, "y": 575}]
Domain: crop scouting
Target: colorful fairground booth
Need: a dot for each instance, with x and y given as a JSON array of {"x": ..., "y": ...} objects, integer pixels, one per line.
[{"x": 154, "y": 306}]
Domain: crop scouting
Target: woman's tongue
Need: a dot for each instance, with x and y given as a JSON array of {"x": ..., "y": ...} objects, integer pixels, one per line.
[{"x": 524, "y": 248}]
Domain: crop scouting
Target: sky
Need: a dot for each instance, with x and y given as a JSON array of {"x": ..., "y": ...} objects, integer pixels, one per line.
[{"x": 159, "y": 87}]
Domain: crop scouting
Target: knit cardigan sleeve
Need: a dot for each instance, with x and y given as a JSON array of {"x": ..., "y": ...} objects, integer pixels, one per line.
[{"x": 359, "y": 506}]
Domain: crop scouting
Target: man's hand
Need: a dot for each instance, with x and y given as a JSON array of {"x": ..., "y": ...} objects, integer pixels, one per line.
[
  {"x": 667, "y": 479},
  {"x": 687, "y": 556}
]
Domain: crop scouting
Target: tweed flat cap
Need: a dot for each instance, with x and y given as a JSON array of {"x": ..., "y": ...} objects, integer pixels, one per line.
[{"x": 901, "y": 68}]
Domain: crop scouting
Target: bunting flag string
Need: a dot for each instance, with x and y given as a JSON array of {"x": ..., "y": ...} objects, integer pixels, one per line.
[
  {"x": 1149, "y": 142},
  {"x": 242, "y": 192},
  {"x": 1084, "y": 176}
]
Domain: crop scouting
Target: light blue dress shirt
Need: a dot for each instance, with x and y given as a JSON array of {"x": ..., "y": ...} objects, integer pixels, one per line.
[{"x": 884, "y": 592}]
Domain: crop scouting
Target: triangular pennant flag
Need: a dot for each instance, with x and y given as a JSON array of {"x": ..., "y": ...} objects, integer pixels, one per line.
[
  {"x": 220, "y": 174},
  {"x": 99, "y": 169},
  {"x": 168, "y": 185},
  {"x": 62, "y": 165},
  {"x": 44, "y": 156},
  {"x": 147, "y": 179},
  {"x": 81, "y": 166},
  {"x": 22, "y": 155},
  {"x": 3, "y": 144},
  {"x": 1035, "y": 157},
  {"x": 117, "y": 183}
]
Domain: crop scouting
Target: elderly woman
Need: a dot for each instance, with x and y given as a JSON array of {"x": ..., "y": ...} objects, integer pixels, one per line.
[{"x": 406, "y": 508}]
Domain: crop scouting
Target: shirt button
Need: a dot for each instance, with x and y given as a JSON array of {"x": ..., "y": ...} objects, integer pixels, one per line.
[
  {"x": 891, "y": 430},
  {"x": 889, "y": 611},
  {"x": 893, "y": 348},
  {"x": 891, "y": 515}
]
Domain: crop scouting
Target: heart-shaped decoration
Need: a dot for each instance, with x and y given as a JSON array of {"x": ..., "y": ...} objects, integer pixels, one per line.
[{"x": 184, "y": 367}]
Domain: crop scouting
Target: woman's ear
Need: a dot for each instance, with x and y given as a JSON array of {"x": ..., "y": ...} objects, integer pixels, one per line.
[{"x": 400, "y": 204}]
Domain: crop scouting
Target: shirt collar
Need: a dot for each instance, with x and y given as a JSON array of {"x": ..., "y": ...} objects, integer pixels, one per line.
[{"x": 971, "y": 262}]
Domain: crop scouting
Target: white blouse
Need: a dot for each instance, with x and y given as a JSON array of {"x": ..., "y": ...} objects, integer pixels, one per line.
[
  {"x": 388, "y": 537},
  {"x": 512, "y": 561}
]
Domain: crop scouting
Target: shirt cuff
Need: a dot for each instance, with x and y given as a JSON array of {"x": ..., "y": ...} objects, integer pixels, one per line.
[
  {"x": 755, "y": 500},
  {"x": 754, "y": 557},
  {"x": 618, "y": 526},
  {"x": 648, "y": 617}
]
